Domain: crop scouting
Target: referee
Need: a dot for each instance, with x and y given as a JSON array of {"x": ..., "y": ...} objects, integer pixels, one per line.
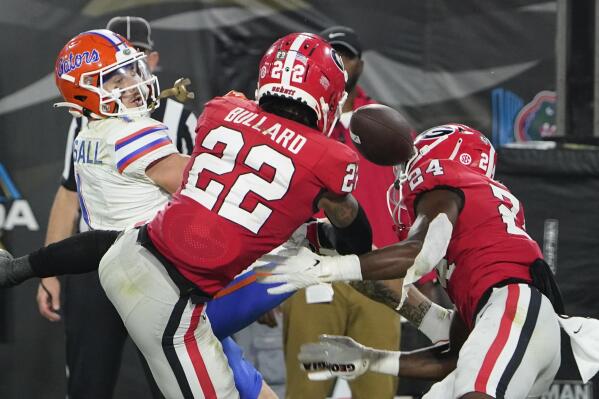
[{"x": 95, "y": 334}]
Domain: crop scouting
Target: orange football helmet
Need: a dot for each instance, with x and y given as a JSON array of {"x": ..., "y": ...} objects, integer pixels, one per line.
[{"x": 97, "y": 70}]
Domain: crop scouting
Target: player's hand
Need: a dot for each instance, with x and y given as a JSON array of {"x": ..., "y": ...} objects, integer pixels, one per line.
[
  {"x": 334, "y": 356},
  {"x": 48, "y": 298},
  {"x": 307, "y": 268}
]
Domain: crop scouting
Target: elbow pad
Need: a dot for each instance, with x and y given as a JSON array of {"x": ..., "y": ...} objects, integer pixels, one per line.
[
  {"x": 355, "y": 238},
  {"x": 434, "y": 247}
]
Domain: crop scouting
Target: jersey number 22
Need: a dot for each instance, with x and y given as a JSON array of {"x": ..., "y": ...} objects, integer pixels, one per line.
[{"x": 249, "y": 182}]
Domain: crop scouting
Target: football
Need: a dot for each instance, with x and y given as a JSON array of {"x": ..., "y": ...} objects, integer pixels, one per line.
[{"x": 381, "y": 134}]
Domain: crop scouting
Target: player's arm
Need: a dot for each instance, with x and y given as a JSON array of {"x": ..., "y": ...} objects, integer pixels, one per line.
[
  {"x": 167, "y": 172},
  {"x": 338, "y": 356},
  {"x": 437, "y": 212},
  {"x": 350, "y": 231},
  {"x": 62, "y": 223},
  {"x": 64, "y": 215},
  {"x": 431, "y": 319}
]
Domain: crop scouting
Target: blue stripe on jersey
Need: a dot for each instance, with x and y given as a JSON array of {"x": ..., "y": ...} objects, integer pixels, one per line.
[
  {"x": 132, "y": 137},
  {"x": 141, "y": 151}
]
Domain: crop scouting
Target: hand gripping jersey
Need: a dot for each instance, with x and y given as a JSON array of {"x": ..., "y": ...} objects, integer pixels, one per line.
[
  {"x": 488, "y": 244},
  {"x": 253, "y": 179},
  {"x": 111, "y": 156}
]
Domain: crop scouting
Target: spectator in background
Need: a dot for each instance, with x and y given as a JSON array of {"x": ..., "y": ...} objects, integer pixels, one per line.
[
  {"x": 95, "y": 334},
  {"x": 342, "y": 310}
]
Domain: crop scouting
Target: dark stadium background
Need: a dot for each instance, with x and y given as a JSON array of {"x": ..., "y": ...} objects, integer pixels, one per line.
[{"x": 495, "y": 65}]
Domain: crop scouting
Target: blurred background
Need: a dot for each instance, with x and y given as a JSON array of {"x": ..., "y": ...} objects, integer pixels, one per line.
[{"x": 525, "y": 72}]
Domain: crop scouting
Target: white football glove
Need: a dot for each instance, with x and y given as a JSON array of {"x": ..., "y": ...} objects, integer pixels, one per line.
[
  {"x": 339, "y": 356},
  {"x": 306, "y": 268}
]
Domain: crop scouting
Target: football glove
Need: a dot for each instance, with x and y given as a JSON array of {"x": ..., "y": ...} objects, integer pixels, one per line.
[
  {"x": 339, "y": 356},
  {"x": 306, "y": 268}
]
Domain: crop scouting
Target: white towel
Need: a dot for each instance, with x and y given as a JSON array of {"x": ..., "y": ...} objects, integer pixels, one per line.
[{"x": 584, "y": 337}]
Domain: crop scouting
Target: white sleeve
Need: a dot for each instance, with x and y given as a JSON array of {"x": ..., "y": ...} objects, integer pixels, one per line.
[{"x": 136, "y": 151}]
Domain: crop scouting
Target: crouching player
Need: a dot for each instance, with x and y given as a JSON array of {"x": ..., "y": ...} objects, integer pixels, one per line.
[{"x": 495, "y": 275}]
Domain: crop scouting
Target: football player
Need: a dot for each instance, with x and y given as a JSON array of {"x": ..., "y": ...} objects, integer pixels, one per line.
[
  {"x": 494, "y": 273},
  {"x": 125, "y": 164},
  {"x": 258, "y": 171}
]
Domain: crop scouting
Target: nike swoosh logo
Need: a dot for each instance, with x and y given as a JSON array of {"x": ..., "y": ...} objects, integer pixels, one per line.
[
  {"x": 316, "y": 263},
  {"x": 579, "y": 328}
]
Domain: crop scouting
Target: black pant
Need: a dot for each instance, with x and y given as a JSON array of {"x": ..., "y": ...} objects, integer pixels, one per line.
[{"x": 95, "y": 336}]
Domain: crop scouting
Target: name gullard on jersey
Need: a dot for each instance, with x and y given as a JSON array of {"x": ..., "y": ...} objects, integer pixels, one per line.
[
  {"x": 489, "y": 243},
  {"x": 111, "y": 156},
  {"x": 254, "y": 178}
]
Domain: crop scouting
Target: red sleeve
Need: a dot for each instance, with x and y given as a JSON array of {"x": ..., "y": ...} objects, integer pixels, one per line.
[
  {"x": 432, "y": 174},
  {"x": 427, "y": 278},
  {"x": 338, "y": 168}
]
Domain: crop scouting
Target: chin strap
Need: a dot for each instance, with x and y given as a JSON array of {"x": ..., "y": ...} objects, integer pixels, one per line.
[{"x": 76, "y": 110}]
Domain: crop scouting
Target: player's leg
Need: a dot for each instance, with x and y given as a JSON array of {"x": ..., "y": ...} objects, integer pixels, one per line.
[
  {"x": 95, "y": 336},
  {"x": 173, "y": 333},
  {"x": 152, "y": 385},
  {"x": 365, "y": 317},
  {"x": 78, "y": 254},
  {"x": 248, "y": 380},
  {"x": 514, "y": 349},
  {"x": 240, "y": 304},
  {"x": 302, "y": 323},
  {"x": 440, "y": 389}
]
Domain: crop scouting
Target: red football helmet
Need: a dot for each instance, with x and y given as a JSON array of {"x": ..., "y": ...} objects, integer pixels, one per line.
[
  {"x": 98, "y": 69},
  {"x": 453, "y": 141},
  {"x": 456, "y": 142},
  {"x": 304, "y": 67}
]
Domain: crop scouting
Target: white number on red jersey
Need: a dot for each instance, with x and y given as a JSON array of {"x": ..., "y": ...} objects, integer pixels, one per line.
[
  {"x": 245, "y": 183},
  {"x": 508, "y": 210},
  {"x": 350, "y": 180},
  {"x": 415, "y": 178}
]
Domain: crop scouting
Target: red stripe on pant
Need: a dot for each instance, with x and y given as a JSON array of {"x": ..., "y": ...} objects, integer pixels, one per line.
[
  {"x": 195, "y": 355},
  {"x": 511, "y": 304}
]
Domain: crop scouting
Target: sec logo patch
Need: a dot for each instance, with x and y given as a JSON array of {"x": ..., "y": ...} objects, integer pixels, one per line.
[{"x": 465, "y": 159}]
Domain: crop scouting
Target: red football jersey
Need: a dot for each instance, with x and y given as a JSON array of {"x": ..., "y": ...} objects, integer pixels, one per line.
[
  {"x": 253, "y": 179},
  {"x": 488, "y": 244}
]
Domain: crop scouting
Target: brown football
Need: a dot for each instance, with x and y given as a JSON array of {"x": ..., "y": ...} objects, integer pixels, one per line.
[{"x": 381, "y": 134}]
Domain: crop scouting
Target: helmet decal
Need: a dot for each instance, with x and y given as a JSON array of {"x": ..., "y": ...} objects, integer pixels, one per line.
[
  {"x": 83, "y": 72},
  {"x": 437, "y": 132},
  {"x": 465, "y": 159},
  {"x": 72, "y": 61}
]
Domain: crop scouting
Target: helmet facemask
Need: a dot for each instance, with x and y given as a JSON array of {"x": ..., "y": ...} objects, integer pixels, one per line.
[{"x": 125, "y": 88}]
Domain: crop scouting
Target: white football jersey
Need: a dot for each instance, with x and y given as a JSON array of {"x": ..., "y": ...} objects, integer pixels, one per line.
[{"x": 111, "y": 156}]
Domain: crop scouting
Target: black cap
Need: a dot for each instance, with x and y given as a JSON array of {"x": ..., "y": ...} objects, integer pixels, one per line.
[
  {"x": 344, "y": 37},
  {"x": 135, "y": 29}
]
